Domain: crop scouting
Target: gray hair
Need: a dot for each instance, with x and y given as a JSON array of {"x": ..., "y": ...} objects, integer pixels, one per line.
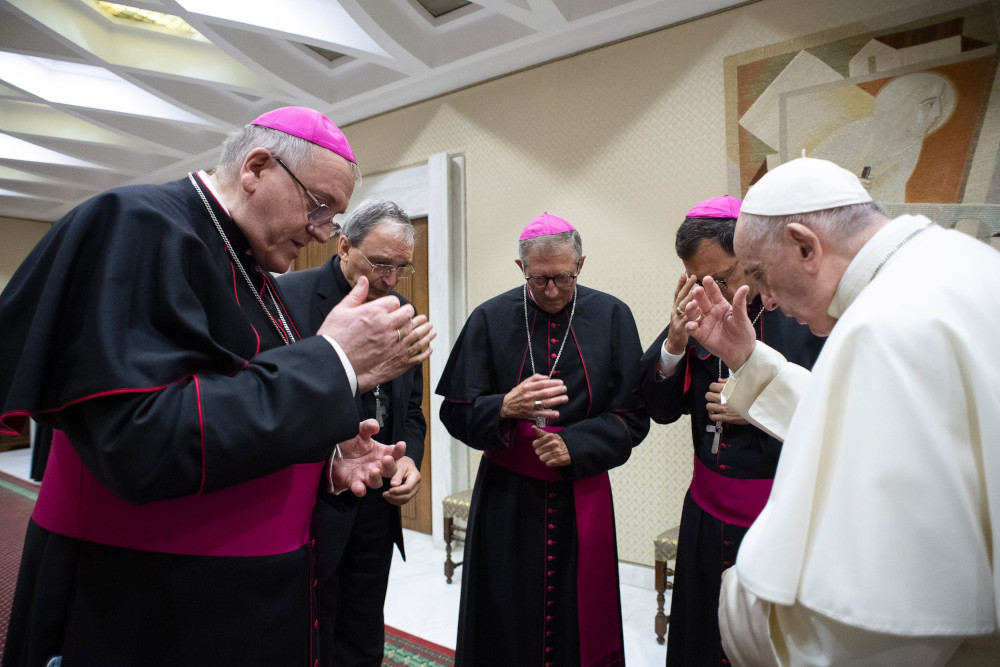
[
  {"x": 695, "y": 230},
  {"x": 295, "y": 152},
  {"x": 840, "y": 223},
  {"x": 551, "y": 242},
  {"x": 371, "y": 213}
]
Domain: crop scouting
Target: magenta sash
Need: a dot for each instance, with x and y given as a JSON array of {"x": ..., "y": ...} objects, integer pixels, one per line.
[
  {"x": 262, "y": 517},
  {"x": 598, "y": 603},
  {"x": 729, "y": 499}
]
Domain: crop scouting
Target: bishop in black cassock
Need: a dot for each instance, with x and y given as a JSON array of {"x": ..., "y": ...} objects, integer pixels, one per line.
[
  {"x": 540, "y": 574},
  {"x": 172, "y": 526}
]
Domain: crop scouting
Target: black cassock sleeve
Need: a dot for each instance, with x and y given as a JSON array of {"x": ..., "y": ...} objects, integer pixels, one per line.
[{"x": 665, "y": 401}]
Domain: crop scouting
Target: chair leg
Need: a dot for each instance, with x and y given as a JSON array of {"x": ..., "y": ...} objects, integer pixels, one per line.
[
  {"x": 661, "y": 619},
  {"x": 449, "y": 530}
]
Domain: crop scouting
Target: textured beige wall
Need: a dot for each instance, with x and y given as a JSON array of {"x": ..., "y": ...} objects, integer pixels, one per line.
[
  {"x": 19, "y": 237},
  {"x": 620, "y": 141}
]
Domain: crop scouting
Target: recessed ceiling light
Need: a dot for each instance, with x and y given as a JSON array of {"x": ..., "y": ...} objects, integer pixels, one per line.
[
  {"x": 323, "y": 20},
  {"x": 12, "y": 148},
  {"x": 61, "y": 82},
  {"x": 147, "y": 17}
]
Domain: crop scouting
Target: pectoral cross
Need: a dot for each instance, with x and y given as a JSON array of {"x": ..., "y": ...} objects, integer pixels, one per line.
[
  {"x": 380, "y": 408},
  {"x": 717, "y": 428}
]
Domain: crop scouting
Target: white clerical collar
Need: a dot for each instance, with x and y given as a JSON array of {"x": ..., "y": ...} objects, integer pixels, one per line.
[
  {"x": 869, "y": 259},
  {"x": 203, "y": 177}
]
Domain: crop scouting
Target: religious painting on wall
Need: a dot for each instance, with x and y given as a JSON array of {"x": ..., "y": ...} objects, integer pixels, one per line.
[{"x": 903, "y": 102}]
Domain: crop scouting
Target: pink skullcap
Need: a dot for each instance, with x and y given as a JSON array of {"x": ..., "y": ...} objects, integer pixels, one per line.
[
  {"x": 544, "y": 225},
  {"x": 310, "y": 125},
  {"x": 716, "y": 207}
]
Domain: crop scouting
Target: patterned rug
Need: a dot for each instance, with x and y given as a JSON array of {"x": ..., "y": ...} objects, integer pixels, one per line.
[
  {"x": 405, "y": 650},
  {"x": 17, "y": 498}
]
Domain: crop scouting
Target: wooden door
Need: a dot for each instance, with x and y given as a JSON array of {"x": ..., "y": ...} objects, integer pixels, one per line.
[{"x": 417, "y": 512}]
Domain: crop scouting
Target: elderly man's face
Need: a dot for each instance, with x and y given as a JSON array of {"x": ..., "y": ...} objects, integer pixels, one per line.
[
  {"x": 561, "y": 261},
  {"x": 710, "y": 259},
  {"x": 277, "y": 224},
  {"x": 385, "y": 248},
  {"x": 778, "y": 270}
]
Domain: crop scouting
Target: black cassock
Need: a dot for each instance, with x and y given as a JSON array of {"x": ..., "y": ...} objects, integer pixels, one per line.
[
  {"x": 172, "y": 525},
  {"x": 523, "y": 576},
  {"x": 710, "y": 536}
]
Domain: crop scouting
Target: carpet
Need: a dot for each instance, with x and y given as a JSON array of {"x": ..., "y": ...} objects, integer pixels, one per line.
[
  {"x": 17, "y": 499},
  {"x": 404, "y": 650}
]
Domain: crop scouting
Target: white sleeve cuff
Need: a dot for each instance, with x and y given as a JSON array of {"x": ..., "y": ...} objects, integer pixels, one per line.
[
  {"x": 352, "y": 377},
  {"x": 668, "y": 363}
]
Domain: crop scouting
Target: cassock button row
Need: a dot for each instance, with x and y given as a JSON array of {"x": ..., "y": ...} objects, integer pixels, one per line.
[
  {"x": 724, "y": 467},
  {"x": 554, "y": 340},
  {"x": 315, "y": 583},
  {"x": 550, "y": 573},
  {"x": 554, "y": 325},
  {"x": 551, "y": 558},
  {"x": 316, "y": 662},
  {"x": 552, "y": 526},
  {"x": 551, "y": 542},
  {"x": 548, "y": 633},
  {"x": 548, "y": 619},
  {"x": 316, "y": 624},
  {"x": 552, "y": 495},
  {"x": 548, "y": 649},
  {"x": 550, "y": 588},
  {"x": 552, "y": 511},
  {"x": 550, "y": 603}
]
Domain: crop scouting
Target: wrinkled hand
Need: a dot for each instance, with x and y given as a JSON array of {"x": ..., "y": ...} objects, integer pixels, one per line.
[
  {"x": 519, "y": 403},
  {"x": 551, "y": 448},
  {"x": 677, "y": 336},
  {"x": 722, "y": 328},
  {"x": 365, "y": 462},
  {"x": 405, "y": 483},
  {"x": 718, "y": 412},
  {"x": 380, "y": 338}
]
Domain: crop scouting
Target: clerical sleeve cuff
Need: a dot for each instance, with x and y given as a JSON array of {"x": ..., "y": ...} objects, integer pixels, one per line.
[
  {"x": 766, "y": 390},
  {"x": 352, "y": 377},
  {"x": 668, "y": 363}
]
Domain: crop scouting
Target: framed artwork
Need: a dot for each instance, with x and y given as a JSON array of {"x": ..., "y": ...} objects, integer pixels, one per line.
[{"x": 906, "y": 104}]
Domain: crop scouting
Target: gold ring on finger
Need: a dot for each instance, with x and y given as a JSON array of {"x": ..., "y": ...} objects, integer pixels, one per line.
[
  {"x": 399, "y": 332},
  {"x": 413, "y": 350}
]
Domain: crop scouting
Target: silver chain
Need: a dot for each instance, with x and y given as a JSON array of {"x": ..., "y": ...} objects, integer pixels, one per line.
[
  {"x": 898, "y": 246},
  {"x": 527, "y": 330},
  {"x": 282, "y": 328}
]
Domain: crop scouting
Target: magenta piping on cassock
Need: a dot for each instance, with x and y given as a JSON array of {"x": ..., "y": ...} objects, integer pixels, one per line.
[
  {"x": 597, "y": 592},
  {"x": 729, "y": 499},
  {"x": 266, "y": 516}
]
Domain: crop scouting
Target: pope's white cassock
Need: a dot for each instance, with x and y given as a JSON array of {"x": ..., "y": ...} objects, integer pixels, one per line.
[{"x": 877, "y": 545}]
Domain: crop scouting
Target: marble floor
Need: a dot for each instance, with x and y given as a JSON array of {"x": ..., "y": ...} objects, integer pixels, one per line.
[{"x": 422, "y": 603}]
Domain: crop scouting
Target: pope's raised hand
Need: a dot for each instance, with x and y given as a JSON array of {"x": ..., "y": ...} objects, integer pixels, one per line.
[{"x": 722, "y": 328}]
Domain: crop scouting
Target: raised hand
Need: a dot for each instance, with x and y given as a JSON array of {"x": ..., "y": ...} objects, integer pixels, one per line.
[
  {"x": 677, "y": 337},
  {"x": 380, "y": 338},
  {"x": 364, "y": 462},
  {"x": 722, "y": 328},
  {"x": 520, "y": 402}
]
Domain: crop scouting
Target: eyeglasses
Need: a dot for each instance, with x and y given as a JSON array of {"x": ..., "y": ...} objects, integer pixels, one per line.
[
  {"x": 721, "y": 282},
  {"x": 562, "y": 281},
  {"x": 386, "y": 270},
  {"x": 322, "y": 215}
]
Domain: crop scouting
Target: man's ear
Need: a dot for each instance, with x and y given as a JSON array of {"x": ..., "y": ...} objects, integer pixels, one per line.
[
  {"x": 579, "y": 266},
  {"x": 343, "y": 245},
  {"x": 518, "y": 262},
  {"x": 807, "y": 245},
  {"x": 253, "y": 168}
]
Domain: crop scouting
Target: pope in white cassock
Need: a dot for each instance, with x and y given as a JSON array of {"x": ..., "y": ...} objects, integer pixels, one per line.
[{"x": 877, "y": 544}]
